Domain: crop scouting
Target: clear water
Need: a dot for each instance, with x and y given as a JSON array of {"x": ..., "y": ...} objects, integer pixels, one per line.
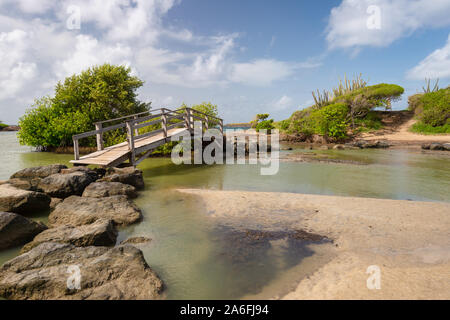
[{"x": 197, "y": 259}]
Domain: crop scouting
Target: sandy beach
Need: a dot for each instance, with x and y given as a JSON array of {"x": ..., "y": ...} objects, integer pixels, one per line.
[{"x": 408, "y": 241}]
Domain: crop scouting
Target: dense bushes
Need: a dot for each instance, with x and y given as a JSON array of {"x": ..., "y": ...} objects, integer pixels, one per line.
[
  {"x": 432, "y": 109},
  {"x": 99, "y": 93},
  {"x": 335, "y": 116}
]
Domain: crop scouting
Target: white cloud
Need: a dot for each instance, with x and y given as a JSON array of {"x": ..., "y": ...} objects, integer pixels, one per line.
[
  {"x": 347, "y": 25},
  {"x": 283, "y": 103},
  {"x": 262, "y": 72},
  {"x": 89, "y": 52},
  {"x": 436, "y": 65},
  {"x": 15, "y": 72}
]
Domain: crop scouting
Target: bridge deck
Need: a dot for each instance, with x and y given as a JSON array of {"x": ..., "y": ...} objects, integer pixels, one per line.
[{"x": 114, "y": 155}]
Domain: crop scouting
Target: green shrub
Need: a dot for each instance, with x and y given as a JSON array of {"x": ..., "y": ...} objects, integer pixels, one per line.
[
  {"x": 371, "y": 122},
  {"x": 436, "y": 108},
  {"x": 265, "y": 125},
  {"x": 97, "y": 94},
  {"x": 428, "y": 129},
  {"x": 333, "y": 121}
]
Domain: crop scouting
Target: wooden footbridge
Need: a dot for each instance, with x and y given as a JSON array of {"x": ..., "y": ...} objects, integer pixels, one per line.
[{"x": 141, "y": 142}]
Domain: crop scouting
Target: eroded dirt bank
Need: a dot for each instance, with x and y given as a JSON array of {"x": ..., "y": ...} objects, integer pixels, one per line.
[{"x": 409, "y": 241}]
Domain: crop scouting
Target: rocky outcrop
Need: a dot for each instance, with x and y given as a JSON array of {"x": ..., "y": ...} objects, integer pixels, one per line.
[
  {"x": 128, "y": 175},
  {"x": 99, "y": 233},
  {"x": 436, "y": 146},
  {"x": 136, "y": 240},
  {"x": 108, "y": 189},
  {"x": 62, "y": 185},
  {"x": 22, "y": 184},
  {"x": 21, "y": 201},
  {"x": 64, "y": 271},
  {"x": 76, "y": 211},
  {"x": 16, "y": 230},
  {"x": 38, "y": 172},
  {"x": 29, "y": 178},
  {"x": 363, "y": 144}
]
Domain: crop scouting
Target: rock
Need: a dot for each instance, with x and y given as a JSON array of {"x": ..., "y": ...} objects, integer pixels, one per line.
[
  {"x": 446, "y": 146},
  {"x": 362, "y": 144},
  {"x": 108, "y": 189},
  {"x": 64, "y": 185},
  {"x": 16, "y": 230},
  {"x": 21, "y": 184},
  {"x": 99, "y": 233},
  {"x": 10, "y": 128},
  {"x": 136, "y": 240},
  {"x": 50, "y": 271},
  {"x": 339, "y": 147},
  {"x": 21, "y": 201},
  {"x": 426, "y": 146},
  {"x": 318, "y": 139},
  {"x": 94, "y": 174},
  {"x": 324, "y": 147},
  {"x": 129, "y": 176},
  {"x": 436, "y": 147},
  {"x": 76, "y": 211},
  {"x": 54, "y": 202},
  {"x": 38, "y": 172}
]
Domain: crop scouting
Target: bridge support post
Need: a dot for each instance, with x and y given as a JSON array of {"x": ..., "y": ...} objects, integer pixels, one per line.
[
  {"x": 99, "y": 129},
  {"x": 136, "y": 131},
  {"x": 164, "y": 123},
  {"x": 221, "y": 126},
  {"x": 187, "y": 119},
  {"x": 130, "y": 138},
  {"x": 206, "y": 123},
  {"x": 76, "y": 149}
]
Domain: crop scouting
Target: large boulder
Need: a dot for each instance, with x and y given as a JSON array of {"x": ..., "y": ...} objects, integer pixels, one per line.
[
  {"x": 38, "y": 172},
  {"x": 21, "y": 201},
  {"x": 63, "y": 271},
  {"x": 109, "y": 189},
  {"x": 76, "y": 211},
  {"x": 95, "y": 174},
  {"x": 100, "y": 233},
  {"x": 62, "y": 185},
  {"x": 128, "y": 175},
  {"x": 16, "y": 230},
  {"x": 446, "y": 146},
  {"x": 23, "y": 184}
]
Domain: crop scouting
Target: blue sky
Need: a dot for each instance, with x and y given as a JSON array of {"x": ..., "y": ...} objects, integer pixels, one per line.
[{"x": 247, "y": 57}]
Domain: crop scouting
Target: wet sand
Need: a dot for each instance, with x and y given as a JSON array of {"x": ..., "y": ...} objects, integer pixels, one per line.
[{"x": 409, "y": 241}]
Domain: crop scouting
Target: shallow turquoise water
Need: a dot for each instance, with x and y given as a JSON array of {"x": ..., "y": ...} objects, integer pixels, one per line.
[{"x": 194, "y": 259}]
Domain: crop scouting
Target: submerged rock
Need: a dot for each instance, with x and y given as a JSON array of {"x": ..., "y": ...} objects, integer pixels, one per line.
[
  {"x": 64, "y": 271},
  {"x": 76, "y": 211},
  {"x": 363, "y": 144},
  {"x": 136, "y": 240},
  {"x": 16, "y": 230},
  {"x": 128, "y": 175},
  {"x": 21, "y": 201},
  {"x": 99, "y": 233},
  {"x": 108, "y": 189},
  {"x": 64, "y": 185}
]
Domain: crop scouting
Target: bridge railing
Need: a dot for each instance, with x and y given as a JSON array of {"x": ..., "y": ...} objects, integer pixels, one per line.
[{"x": 168, "y": 119}]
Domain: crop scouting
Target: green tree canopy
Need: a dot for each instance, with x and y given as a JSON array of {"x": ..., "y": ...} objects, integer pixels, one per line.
[{"x": 98, "y": 93}]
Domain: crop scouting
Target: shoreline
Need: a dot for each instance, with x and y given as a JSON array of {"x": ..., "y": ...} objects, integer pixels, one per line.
[{"x": 408, "y": 240}]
